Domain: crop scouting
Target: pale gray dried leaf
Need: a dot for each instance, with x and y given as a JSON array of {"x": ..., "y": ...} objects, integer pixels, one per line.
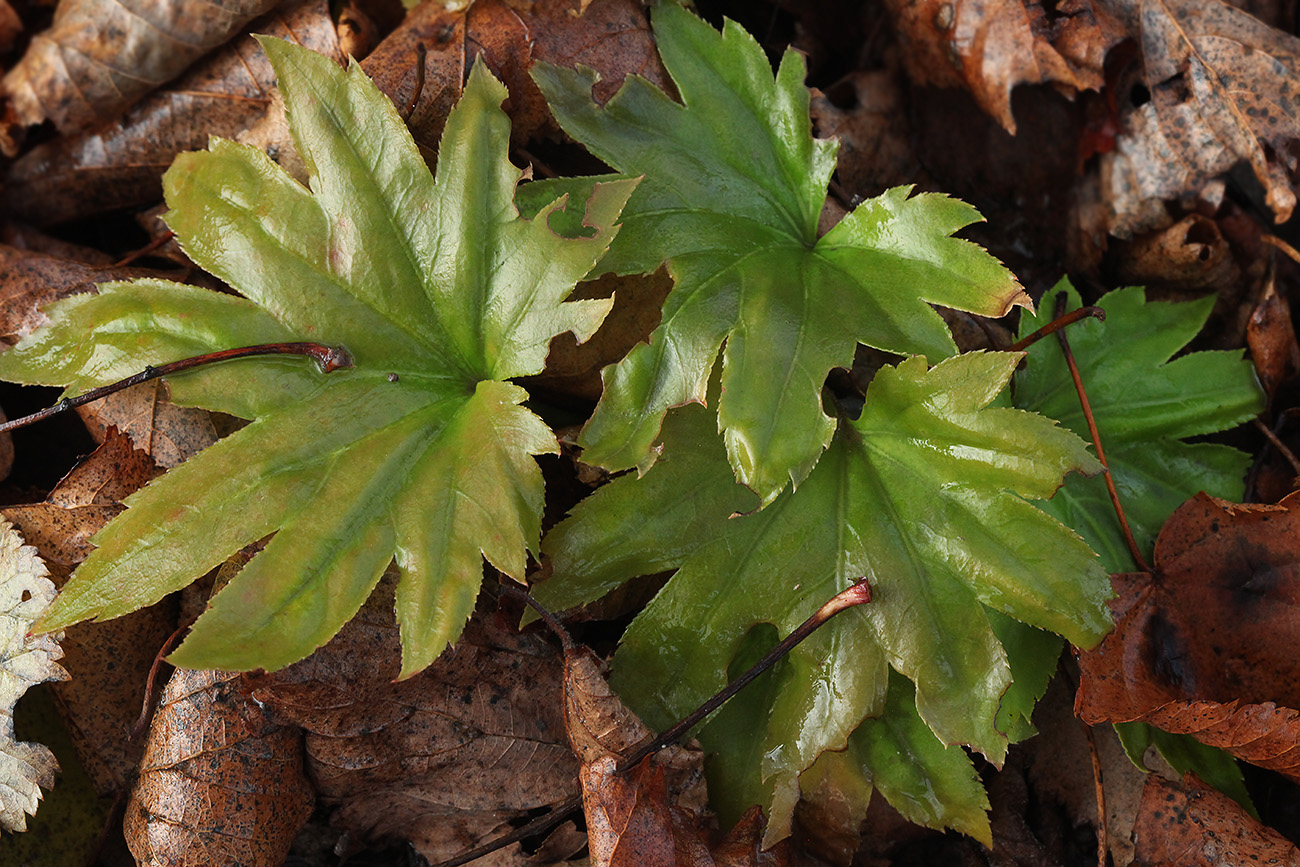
[{"x": 25, "y": 592}]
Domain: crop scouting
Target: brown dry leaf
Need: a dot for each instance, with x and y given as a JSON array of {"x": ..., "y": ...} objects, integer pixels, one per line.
[
  {"x": 121, "y": 164},
  {"x": 25, "y": 593},
  {"x": 1272, "y": 340},
  {"x": 1192, "y": 825},
  {"x": 220, "y": 783},
  {"x": 109, "y": 661},
  {"x": 873, "y": 129},
  {"x": 611, "y": 36},
  {"x": 446, "y": 759},
  {"x": 1190, "y": 255},
  {"x": 654, "y": 815},
  {"x": 100, "y": 56},
  {"x": 1181, "y": 657},
  {"x": 990, "y": 46},
  {"x": 158, "y": 427},
  {"x": 1223, "y": 89}
]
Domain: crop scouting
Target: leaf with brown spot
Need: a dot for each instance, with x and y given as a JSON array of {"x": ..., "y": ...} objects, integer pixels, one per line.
[
  {"x": 220, "y": 783},
  {"x": 1223, "y": 89},
  {"x": 990, "y": 46},
  {"x": 158, "y": 427},
  {"x": 100, "y": 56},
  {"x": 1180, "y": 657},
  {"x": 1192, "y": 825},
  {"x": 445, "y": 759},
  {"x": 108, "y": 661}
]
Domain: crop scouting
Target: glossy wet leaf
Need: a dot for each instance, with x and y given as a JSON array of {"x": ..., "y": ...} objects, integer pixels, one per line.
[
  {"x": 1145, "y": 406},
  {"x": 922, "y": 494},
  {"x": 421, "y": 451},
  {"x": 733, "y": 186}
]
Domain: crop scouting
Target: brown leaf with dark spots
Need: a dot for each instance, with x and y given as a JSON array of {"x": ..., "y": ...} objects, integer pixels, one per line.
[
  {"x": 108, "y": 661},
  {"x": 1222, "y": 88},
  {"x": 611, "y": 36},
  {"x": 446, "y": 759},
  {"x": 1205, "y": 646},
  {"x": 220, "y": 783},
  {"x": 990, "y": 46},
  {"x": 1192, "y": 825},
  {"x": 100, "y": 56},
  {"x": 121, "y": 164},
  {"x": 158, "y": 427}
]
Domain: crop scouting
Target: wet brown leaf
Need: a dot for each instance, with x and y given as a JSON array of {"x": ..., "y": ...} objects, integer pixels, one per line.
[
  {"x": 610, "y": 36},
  {"x": 121, "y": 164},
  {"x": 108, "y": 661},
  {"x": 219, "y": 783},
  {"x": 1192, "y": 825},
  {"x": 100, "y": 56},
  {"x": 1223, "y": 88},
  {"x": 990, "y": 46},
  {"x": 1205, "y": 646},
  {"x": 445, "y": 759}
]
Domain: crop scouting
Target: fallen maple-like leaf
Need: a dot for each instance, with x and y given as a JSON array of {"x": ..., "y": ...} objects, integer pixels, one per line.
[
  {"x": 1189, "y": 824},
  {"x": 99, "y": 56},
  {"x": 220, "y": 783},
  {"x": 1179, "y": 657},
  {"x": 447, "y": 759},
  {"x": 25, "y": 592}
]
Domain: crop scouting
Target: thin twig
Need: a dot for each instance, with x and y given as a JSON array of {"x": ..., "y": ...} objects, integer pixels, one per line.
[
  {"x": 1281, "y": 245},
  {"x": 1103, "y": 838},
  {"x": 327, "y": 358},
  {"x": 151, "y": 684},
  {"x": 1278, "y": 444},
  {"x": 540, "y": 825},
  {"x": 1056, "y": 324},
  {"x": 1096, "y": 442},
  {"x": 151, "y": 247},
  {"x": 420, "y": 54}
]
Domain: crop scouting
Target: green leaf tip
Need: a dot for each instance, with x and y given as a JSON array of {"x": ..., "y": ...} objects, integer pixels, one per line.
[
  {"x": 734, "y": 183},
  {"x": 422, "y": 452}
]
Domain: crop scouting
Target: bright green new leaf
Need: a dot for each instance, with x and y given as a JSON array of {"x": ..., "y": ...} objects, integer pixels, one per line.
[
  {"x": 440, "y": 292},
  {"x": 1144, "y": 405},
  {"x": 922, "y": 494},
  {"x": 733, "y": 186}
]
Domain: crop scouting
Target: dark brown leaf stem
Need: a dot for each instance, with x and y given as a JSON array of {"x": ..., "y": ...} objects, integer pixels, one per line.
[
  {"x": 328, "y": 358},
  {"x": 540, "y": 825},
  {"x": 1056, "y": 325},
  {"x": 1096, "y": 442}
]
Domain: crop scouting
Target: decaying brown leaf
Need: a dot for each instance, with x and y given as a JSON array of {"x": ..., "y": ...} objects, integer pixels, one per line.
[
  {"x": 166, "y": 432},
  {"x": 121, "y": 164},
  {"x": 1182, "y": 656},
  {"x": 446, "y": 759},
  {"x": 1223, "y": 88},
  {"x": 1192, "y": 825},
  {"x": 25, "y": 593},
  {"x": 108, "y": 661},
  {"x": 1272, "y": 340},
  {"x": 220, "y": 783},
  {"x": 990, "y": 46},
  {"x": 100, "y": 56},
  {"x": 610, "y": 36}
]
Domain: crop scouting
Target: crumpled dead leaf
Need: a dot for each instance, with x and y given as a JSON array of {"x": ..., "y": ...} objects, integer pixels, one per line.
[
  {"x": 220, "y": 783},
  {"x": 25, "y": 593},
  {"x": 100, "y": 56},
  {"x": 166, "y": 432},
  {"x": 990, "y": 46},
  {"x": 1192, "y": 825},
  {"x": 109, "y": 661},
  {"x": 611, "y": 36},
  {"x": 1179, "y": 657},
  {"x": 121, "y": 164},
  {"x": 1222, "y": 88},
  {"x": 446, "y": 759}
]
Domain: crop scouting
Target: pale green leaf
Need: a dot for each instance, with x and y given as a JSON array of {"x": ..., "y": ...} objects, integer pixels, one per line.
[{"x": 420, "y": 452}]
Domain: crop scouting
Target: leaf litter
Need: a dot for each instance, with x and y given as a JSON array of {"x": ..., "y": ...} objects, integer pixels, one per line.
[{"x": 844, "y": 775}]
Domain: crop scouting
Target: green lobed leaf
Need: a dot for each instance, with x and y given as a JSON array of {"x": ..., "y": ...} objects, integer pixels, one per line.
[
  {"x": 1144, "y": 405},
  {"x": 440, "y": 292},
  {"x": 922, "y": 494},
  {"x": 733, "y": 186}
]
